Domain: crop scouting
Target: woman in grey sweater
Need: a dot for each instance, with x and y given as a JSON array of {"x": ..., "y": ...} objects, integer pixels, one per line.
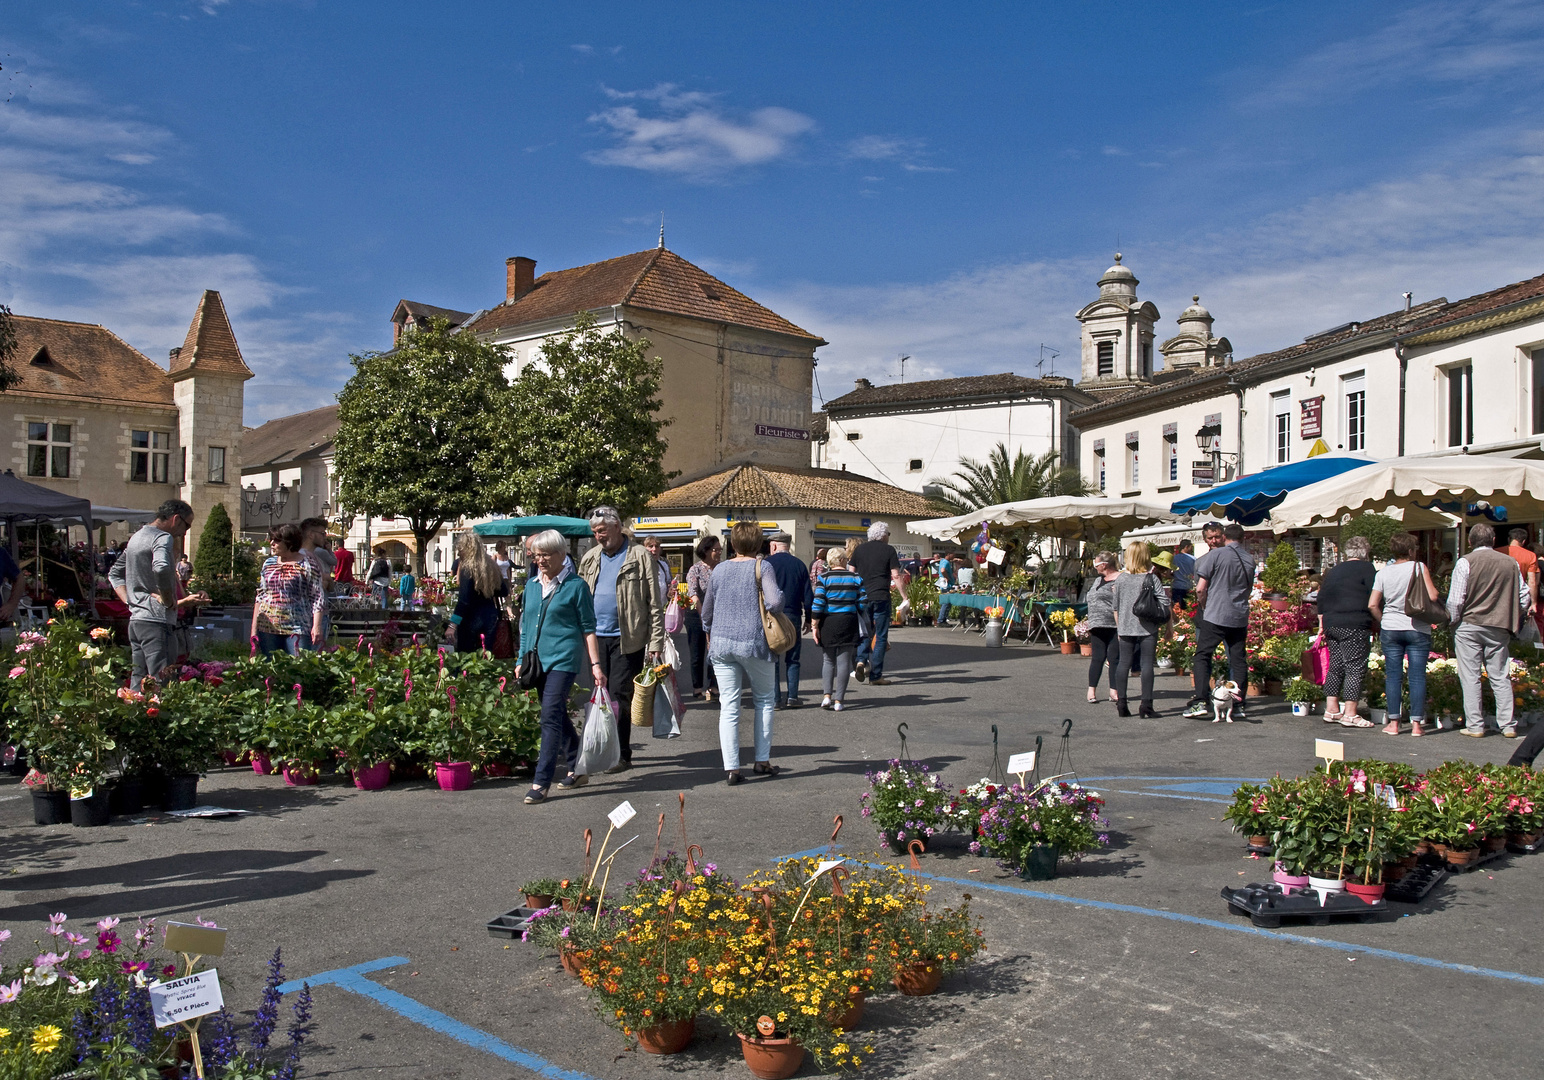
[
  {"x": 1101, "y": 623},
  {"x": 1138, "y": 637},
  {"x": 737, "y": 646}
]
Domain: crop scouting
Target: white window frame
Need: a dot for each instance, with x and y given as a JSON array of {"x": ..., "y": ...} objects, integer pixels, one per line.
[
  {"x": 1353, "y": 412},
  {"x": 51, "y": 444},
  {"x": 1133, "y": 467},
  {"x": 1173, "y": 453},
  {"x": 1460, "y": 378},
  {"x": 1281, "y": 427}
]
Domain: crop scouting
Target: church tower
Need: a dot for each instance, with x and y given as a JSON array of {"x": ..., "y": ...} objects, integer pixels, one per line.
[
  {"x": 208, "y": 377},
  {"x": 1117, "y": 334},
  {"x": 1194, "y": 346}
]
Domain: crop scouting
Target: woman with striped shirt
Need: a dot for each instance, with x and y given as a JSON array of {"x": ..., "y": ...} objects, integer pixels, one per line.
[{"x": 837, "y": 596}]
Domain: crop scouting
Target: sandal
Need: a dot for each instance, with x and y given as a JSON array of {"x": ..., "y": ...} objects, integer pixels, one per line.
[
  {"x": 1332, "y": 717},
  {"x": 535, "y": 795},
  {"x": 1391, "y": 728},
  {"x": 1093, "y": 695},
  {"x": 766, "y": 768},
  {"x": 1355, "y": 721},
  {"x": 1415, "y": 728}
]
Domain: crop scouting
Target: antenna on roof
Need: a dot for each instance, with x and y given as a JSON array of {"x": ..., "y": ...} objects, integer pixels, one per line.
[
  {"x": 1040, "y": 364},
  {"x": 662, "y": 230},
  {"x": 904, "y": 357}
]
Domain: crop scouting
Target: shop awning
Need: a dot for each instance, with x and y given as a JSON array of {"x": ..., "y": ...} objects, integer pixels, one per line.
[{"x": 530, "y": 526}]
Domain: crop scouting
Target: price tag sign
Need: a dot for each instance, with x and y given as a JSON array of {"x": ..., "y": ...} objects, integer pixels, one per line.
[
  {"x": 622, "y": 815},
  {"x": 186, "y": 999},
  {"x": 1022, "y": 763},
  {"x": 1387, "y": 793},
  {"x": 826, "y": 864},
  {"x": 1329, "y": 750}
]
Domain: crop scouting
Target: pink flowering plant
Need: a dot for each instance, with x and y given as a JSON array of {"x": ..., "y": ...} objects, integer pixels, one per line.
[
  {"x": 1056, "y": 814},
  {"x": 62, "y": 694},
  {"x": 906, "y": 802}
]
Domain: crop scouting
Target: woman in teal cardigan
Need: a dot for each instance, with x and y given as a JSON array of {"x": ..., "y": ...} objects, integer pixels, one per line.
[{"x": 559, "y": 615}]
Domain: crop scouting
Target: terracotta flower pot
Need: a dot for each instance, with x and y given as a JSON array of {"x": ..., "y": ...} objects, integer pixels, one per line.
[
  {"x": 571, "y": 964},
  {"x": 1278, "y": 602},
  {"x": 919, "y": 980},
  {"x": 853, "y": 1016},
  {"x": 1254, "y": 690},
  {"x": 1260, "y": 841},
  {"x": 772, "y": 1059},
  {"x": 1495, "y": 843},
  {"x": 1393, "y": 872},
  {"x": 1523, "y": 839},
  {"x": 496, "y": 768},
  {"x": 454, "y": 775},
  {"x": 1467, "y": 857},
  {"x": 573, "y": 903},
  {"x": 900, "y": 847},
  {"x": 1367, "y": 894},
  {"x": 1272, "y": 687},
  {"x": 1086, "y": 650},
  {"x": 537, "y": 901},
  {"x": 373, "y": 777},
  {"x": 1067, "y": 647},
  {"x": 671, "y": 1037}
]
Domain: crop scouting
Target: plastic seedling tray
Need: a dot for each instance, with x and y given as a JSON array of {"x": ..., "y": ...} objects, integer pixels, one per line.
[
  {"x": 1413, "y": 887},
  {"x": 511, "y": 924},
  {"x": 1267, "y": 905}
]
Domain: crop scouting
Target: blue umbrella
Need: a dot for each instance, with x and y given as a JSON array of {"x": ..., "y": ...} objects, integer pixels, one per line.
[
  {"x": 1249, "y": 499},
  {"x": 529, "y": 526}
]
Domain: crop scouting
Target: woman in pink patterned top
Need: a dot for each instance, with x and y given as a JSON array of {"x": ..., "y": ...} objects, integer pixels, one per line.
[{"x": 290, "y": 599}]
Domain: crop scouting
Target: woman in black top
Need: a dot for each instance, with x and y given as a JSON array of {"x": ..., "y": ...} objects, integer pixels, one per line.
[
  {"x": 480, "y": 587},
  {"x": 1346, "y": 624}
]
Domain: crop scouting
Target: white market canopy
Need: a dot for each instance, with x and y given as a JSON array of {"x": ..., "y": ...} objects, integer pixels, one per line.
[
  {"x": 1068, "y": 517},
  {"x": 1451, "y": 484}
]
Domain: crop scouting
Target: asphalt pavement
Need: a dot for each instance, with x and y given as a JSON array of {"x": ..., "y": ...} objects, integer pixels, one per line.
[{"x": 1128, "y": 964}]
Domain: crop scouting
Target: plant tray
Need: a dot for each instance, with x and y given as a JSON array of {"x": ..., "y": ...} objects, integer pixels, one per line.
[
  {"x": 1484, "y": 860},
  {"x": 1523, "y": 849},
  {"x": 1259, "y": 849},
  {"x": 1413, "y": 887},
  {"x": 511, "y": 924},
  {"x": 1267, "y": 905}
]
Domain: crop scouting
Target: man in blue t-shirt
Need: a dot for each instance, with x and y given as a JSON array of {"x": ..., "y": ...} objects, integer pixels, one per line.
[{"x": 793, "y": 580}]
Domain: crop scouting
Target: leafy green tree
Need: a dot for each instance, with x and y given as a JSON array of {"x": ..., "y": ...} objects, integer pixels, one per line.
[
  {"x": 586, "y": 420},
  {"x": 422, "y": 432},
  {"x": 1280, "y": 572},
  {"x": 224, "y": 567},
  {"x": 1378, "y": 528},
  {"x": 9, "y": 377},
  {"x": 999, "y": 480}
]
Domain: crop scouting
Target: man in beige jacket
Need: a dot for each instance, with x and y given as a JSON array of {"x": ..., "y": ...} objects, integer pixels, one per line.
[{"x": 629, "y": 614}]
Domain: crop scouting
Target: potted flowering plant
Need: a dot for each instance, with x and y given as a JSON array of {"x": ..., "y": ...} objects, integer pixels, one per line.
[
  {"x": 1065, "y": 619},
  {"x": 1302, "y": 694},
  {"x": 927, "y": 946},
  {"x": 1030, "y": 831},
  {"x": 1080, "y": 630},
  {"x": 965, "y": 809},
  {"x": 906, "y": 802},
  {"x": 1252, "y": 814}
]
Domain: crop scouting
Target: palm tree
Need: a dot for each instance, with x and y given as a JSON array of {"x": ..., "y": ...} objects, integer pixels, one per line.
[{"x": 997, "y": 480}]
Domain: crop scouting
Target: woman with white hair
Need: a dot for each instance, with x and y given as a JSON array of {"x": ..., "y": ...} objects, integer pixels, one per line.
[
  {"x": 479, "y": 588},
  {"x": 1346, "y": 623},
  {"x": 559, "y": 616},
  {"x": 1138, "y": 636}
]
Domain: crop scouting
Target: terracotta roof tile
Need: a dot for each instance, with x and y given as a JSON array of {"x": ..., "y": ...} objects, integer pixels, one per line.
[
  {"x": 289, "y": 438},
  {"x": 429, "y": 311},
  {"x": 1483, "y": 302},
  {"x": 210, "y": 346},
  {"x": 71, "y": 361},
  {"x": 1006, "y": 384},
  {"x": 655, "y": 280},
  {"x": 766, "y": 487}
]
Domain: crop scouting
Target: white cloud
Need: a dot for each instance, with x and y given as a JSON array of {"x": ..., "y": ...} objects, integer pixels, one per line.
[
  {"x": 82, "y": 237},
  {"x": 691, "y": 136},
  {"x": 583, "y": 50},
  {"x": 1472, "y": 226},
  {"x": 910, "y": 153}
]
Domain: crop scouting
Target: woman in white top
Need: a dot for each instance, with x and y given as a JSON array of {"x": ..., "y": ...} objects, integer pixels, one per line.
[{"x": 1400, "y": 635}]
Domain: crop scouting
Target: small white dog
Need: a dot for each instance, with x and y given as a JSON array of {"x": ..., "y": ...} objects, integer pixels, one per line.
[{"x": 1223, "y": 700}]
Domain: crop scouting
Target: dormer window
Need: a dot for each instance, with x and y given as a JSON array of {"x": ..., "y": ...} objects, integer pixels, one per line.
[{"x": 41, "y": 357}]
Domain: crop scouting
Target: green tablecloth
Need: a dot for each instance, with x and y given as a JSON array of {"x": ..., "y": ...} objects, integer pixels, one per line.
[{"x": 982, "y": 601}]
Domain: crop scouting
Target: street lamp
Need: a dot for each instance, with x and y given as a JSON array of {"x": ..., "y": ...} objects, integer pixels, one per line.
[
  {"x": 1209, "y": 440},
  {"x": 271, "y": 504}
]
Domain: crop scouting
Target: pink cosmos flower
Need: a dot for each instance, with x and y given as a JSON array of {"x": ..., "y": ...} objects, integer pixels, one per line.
[
  {"x": 84, "y": 954},
  {"x": 75, "y": 939},
  {"x": 108, "y": 942},
  {"x": 107, "y": 924},
  {"x": 18, "y": 671},
  {"x": 10, "y": 993}
]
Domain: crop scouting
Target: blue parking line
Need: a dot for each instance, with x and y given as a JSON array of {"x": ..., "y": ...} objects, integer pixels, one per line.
[
  {"x": 1255, "y": 931},
  {"x": 1164, "y": 795},
  {"x": 353, "y": 979}
]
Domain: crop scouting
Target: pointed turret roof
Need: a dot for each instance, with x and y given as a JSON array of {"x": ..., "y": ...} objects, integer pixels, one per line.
[{"x": 210, "y": 347}]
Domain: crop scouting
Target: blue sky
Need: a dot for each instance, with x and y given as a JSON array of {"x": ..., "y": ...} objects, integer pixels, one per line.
[{"x": 946, "y": 181}]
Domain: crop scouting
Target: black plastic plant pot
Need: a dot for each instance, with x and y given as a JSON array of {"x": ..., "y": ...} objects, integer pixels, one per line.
[
  {"x": 127, "y": 796},
  {"x": 51, "y": 807},
  {"x": 92, "y": 812},
  {"x": 1040, "y": 865},
  {"x": 181, "y": 792},
  {"x": 901, "y": 847}
]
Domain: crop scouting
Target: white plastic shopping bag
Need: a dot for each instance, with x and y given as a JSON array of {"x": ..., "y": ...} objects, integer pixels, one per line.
[
  {"x": 599, "y": 748},
  {"x": 667, "y": 725},
  {"x": 672, "y": 655}
]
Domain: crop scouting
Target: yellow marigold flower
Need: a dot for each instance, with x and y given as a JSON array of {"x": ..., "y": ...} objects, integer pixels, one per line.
[
  {"x": 45, "y": 1039},
  {"x": 5, "y": 1033}
]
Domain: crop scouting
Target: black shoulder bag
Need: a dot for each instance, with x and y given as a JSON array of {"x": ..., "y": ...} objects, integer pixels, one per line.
[
  {"x": 529, "y": 674},
  {"x": 1149, "y": 605}
]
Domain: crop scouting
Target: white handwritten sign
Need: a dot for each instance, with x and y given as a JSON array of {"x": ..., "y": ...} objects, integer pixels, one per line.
[
  {"x": 622, "y": 815},
  {"x": 1022, "y": 763},
  {"x": 826, "y": 864},
  {"x": 186, "y": 999},
  {"x": 1329, "y": 750}
]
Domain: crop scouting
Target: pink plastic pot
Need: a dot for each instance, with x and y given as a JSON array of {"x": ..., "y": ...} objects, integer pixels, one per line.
[
  {"x": 373, "y": 777},
  {"x": 1289, "y": 882},
  {"x": 453, "y": 776},
  {"x": 261, "y": 764},
  {"x": 299, "y": 775}
]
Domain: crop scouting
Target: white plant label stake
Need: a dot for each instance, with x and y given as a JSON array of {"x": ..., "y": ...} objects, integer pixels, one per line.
[
  {"x": 618, "y": 817},
  {"x": 1022, "y": 765},
  {"x": 820, "y": 868},
  {"x": 1329, "y": 750},
  {"x": 186, "y": 999}
]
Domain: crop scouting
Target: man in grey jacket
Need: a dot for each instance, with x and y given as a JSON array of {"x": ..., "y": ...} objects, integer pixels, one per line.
[
  {"x": 1487, "y": 602},
  {"x": 145, "y": 578}
]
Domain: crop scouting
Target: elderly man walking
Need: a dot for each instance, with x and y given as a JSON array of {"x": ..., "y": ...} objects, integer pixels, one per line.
[
  {"x": 1487, "y": 602},
  {"x": 878, "y": 565},
  {"x": 629, "y": 614},
  {"x": 793, "y": 579},
  {"x": 145, "y": 578}
]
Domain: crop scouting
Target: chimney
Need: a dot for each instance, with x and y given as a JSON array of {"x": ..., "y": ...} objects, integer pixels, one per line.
[
  {"x": 171, "y": 357},
  {"x": 863, "y": 384},
  {"x": 519, "y": 276}
]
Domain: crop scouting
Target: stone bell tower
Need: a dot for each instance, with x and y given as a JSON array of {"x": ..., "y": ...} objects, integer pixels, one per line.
[{"x": 1118, "y": 334}]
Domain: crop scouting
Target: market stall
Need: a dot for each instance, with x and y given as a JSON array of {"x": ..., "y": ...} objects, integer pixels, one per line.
[{"x": 1249, "y": 499}]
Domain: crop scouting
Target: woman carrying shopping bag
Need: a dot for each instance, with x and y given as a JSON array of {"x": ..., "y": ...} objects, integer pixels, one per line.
[
  {"x": 732, "y": 614},
  {"x": 559, "y": 615}
]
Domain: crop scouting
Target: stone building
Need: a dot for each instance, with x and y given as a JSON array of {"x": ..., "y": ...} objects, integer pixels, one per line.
[{"x": 94, "y": 417}]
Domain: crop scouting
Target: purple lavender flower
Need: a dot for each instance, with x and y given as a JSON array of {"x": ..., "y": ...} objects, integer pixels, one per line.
[
  {"x": 82, "y": 1031},
  {"x": 267, "y": 1016},
  {"x": 219, "y": 1039},
  {"x": 299, "y": 1028},
  {"x": 141, "y": 1019}
]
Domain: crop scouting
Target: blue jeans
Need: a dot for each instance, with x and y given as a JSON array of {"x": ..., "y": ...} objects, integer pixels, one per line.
[
  {"x": 290, "y": 643},
  {"x": 788, "y": 666},
  {"x": 733, "y": 672},
  {"x": 1398, "y": 644},
  {"x": 559, "y": 740},
  {"x": 876, "y": 637}
]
